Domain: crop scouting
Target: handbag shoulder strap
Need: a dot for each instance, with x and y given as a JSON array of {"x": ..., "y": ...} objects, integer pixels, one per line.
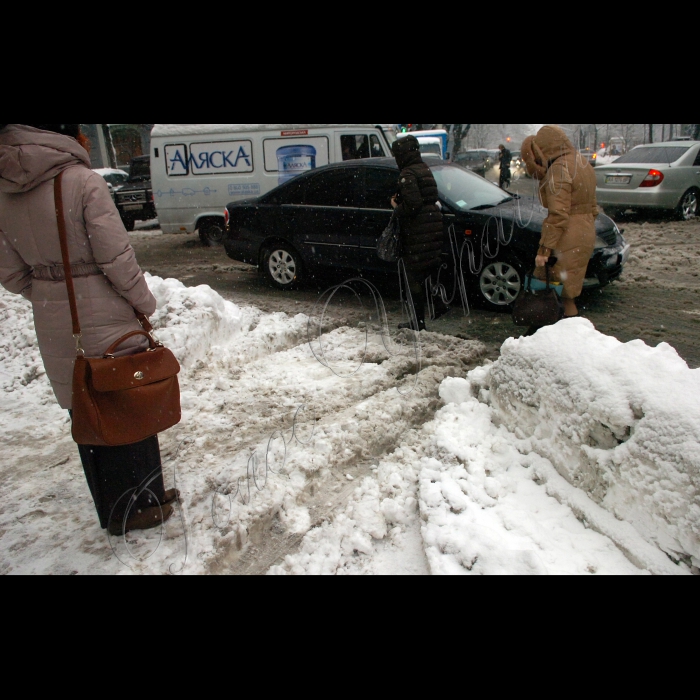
[
  {"x": 61, "y": 219},
  {"x": 63, "y": 236}
]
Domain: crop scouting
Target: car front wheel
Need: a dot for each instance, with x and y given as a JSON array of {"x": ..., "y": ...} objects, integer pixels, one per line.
[
  {"x": 688, "y": 206},
  {"x": 282, "y": 266},
  {"x": 499, "y": 284}
]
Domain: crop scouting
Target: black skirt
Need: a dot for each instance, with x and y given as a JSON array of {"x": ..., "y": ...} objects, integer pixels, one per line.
[{"x": 116, "y": 475}]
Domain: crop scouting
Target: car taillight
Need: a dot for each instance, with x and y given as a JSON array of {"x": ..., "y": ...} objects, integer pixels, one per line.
[
  {"x": 653, "y": 179},
  {"x": 227, "y": 217}
]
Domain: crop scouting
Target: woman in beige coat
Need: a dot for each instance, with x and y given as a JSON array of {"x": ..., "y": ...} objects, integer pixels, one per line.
[
  {"x": 568, "y": 191},
  {"x": 109, "y": 288}
]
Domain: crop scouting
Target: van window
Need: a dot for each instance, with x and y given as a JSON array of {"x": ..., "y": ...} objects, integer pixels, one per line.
[
  {"x": 356, "y": 147},
  {"x": 335, "y": 188},
  {"x": 377, "y": 148}
]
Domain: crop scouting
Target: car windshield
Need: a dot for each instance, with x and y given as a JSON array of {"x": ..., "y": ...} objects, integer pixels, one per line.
[
  {"x": 464, "y": 190},
  {"x": 115, "y": 178},
  {"x": 653, "y": 155}
]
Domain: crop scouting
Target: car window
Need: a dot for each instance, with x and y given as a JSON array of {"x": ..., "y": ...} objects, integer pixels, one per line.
[
  {"x": 294, "y": 192},
  {"x": 697, "y": 159},
  {"x": 335, "y": 188},
  {"x": 463, "y": 190},
  {"x": 140, "y": 169},
  {"x": 653, "y": 156},
  {"x": 381, "y": 185}
]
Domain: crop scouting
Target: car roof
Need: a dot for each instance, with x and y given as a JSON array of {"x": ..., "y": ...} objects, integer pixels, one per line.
[
  {"x": 364, "y": 163},
  {"x": 666, "y": 144},
  {"x": 206, "y": 129}
]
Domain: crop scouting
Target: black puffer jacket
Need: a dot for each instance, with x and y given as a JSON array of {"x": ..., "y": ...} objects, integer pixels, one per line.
[{"x": 421, "y": 219}]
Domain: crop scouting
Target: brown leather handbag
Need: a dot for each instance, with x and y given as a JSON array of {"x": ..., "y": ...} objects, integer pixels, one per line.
[
  {"x": 119, "y": 400},
  {"x": 538, "y": 307}
]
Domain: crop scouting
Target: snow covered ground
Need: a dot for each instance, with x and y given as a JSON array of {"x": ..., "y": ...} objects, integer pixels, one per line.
[{"x": 572, "y": 454}]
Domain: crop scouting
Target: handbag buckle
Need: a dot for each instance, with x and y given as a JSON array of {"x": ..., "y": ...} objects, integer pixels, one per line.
[{"x": 78, "y": 343}]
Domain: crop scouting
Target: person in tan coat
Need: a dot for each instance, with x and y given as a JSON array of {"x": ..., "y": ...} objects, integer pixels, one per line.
[
  {"x": 568, "y": 191},
  {"x": 109, "y": 287}
]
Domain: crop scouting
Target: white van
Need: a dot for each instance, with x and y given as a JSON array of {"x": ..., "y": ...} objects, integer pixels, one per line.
[{"x": 197, "y": 169}]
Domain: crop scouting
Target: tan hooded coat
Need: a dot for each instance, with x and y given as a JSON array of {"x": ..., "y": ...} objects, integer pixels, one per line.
[
  {"x": 568, "y": 191},
  {"x": 109, "y": 284}
]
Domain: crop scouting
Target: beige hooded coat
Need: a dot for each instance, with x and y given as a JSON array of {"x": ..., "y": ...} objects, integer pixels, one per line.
[
  {"x": 109, "y": 284},
  {"x": 568, "y": 191}
]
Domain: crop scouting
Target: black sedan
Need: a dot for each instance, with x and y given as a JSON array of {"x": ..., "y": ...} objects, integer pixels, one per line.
[{"x": 332, "y": 217}]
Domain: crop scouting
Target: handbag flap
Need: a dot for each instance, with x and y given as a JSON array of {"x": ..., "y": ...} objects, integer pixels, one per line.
[{"x": 119, "y": 373}]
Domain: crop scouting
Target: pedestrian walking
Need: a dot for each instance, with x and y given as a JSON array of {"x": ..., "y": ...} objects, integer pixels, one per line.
[
  {"x": 568, "y": 191},
  {"x": 421, "y": 221},
  {"x": 110, "y": 289},
  {"x": 504, "y": 159}
]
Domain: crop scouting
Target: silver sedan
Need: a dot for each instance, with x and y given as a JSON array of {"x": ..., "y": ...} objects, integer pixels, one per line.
[{"x": 662, "y": 176}]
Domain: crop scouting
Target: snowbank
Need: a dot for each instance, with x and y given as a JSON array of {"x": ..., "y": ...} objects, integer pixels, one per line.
[{"x": 619, "y": 421}]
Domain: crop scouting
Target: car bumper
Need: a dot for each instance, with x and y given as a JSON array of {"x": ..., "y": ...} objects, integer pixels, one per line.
[
  {"x": 640, "y": 198},
  {"x": 141, "y": 212},
  {"x": 606, "y": 266},
  {"x": 242, "y": 251}
]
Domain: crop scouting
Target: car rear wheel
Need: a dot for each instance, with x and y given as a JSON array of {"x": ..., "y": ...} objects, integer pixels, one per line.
[
  {"x": 129, "y": 222},
  {"x": 282, "y": 266},
  {"x": 212, "y": 231},
  {"x": 688, "y": 206},
  {"x": 499, "y": 284}
]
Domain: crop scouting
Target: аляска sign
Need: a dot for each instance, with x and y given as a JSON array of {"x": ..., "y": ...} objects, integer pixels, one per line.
[{"x": 209, "y": 158}]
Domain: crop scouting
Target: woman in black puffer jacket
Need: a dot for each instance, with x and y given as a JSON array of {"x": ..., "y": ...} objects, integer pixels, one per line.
[{"x": 420, "y": 216}]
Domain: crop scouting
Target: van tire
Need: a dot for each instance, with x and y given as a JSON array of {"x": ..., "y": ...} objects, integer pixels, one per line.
[
  {"x": 212, "y": 231},
  {"x": 281, "y": 265}
]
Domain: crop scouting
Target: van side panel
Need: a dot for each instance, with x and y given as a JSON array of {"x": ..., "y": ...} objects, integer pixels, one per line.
[{"x": 195, "y": 177}]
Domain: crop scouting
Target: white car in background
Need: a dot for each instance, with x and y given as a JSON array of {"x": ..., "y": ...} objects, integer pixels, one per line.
[
  {"x": 656, "y": 176},
  {"x": 430, "y": 146},
  {"x": 115, "y": 179}
]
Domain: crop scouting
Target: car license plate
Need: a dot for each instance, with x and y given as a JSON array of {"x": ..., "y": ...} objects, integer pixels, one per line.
[
  {"x": 618, "y": 180},
  {"x": 132, "y": 207}
]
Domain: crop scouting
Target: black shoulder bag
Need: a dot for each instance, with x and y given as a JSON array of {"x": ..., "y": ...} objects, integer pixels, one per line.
[{"x": 389, "y": 244}]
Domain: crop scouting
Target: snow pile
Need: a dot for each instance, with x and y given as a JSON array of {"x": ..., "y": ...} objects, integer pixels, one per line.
[
  {"x": 618, "y": 421},
  {"x": 196, "y": 323},
  {"x": 489, "y": 508},
  {"x": 520, "y": 471},
  {"x": 26, "y": 398}
]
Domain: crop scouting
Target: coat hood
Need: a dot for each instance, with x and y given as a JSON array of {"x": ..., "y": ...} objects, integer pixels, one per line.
[
  {"x": 406, "y": 150},
  {"x": 553, "y": 142},
  {"x": 29, "y": 157},
  {"x": 533, "y": 158}
]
